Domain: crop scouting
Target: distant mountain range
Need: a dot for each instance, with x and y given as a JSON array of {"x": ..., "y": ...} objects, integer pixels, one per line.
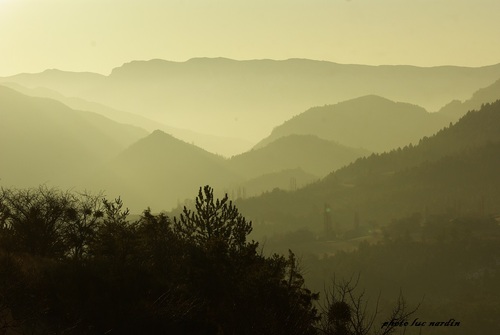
[
  {"x": 377, "y": 123},
  {"x": 46, "y": 141},
  {"x": 217, "y": 144},
  {"x": 246, "y": 99}
]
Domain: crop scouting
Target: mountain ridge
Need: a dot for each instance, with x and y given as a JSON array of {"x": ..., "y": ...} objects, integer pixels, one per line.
[
  {"x": 231, "y": 98},
  {"x": 369, "y": 121},
  {"x": 212, "y": 143}
]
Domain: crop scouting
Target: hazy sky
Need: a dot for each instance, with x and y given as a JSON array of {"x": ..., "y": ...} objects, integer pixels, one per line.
[{"x": 98, "y": 35}]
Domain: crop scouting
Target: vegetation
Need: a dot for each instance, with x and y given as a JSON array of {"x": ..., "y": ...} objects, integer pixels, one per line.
[
  {"x": 447, "y": 264},
  {"x": 76, "y": 264}
]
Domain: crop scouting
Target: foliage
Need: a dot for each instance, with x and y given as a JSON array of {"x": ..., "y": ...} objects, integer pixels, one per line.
[
  {"x": 33, "y": 220},
  {"x": 76, "y": 263},
  {"x": 99, "y": 272},
  {"x": 213, "y": 224}
]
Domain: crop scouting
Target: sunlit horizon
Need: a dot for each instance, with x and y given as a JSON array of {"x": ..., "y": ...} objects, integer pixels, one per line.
[{"x": 82, "y": 36}]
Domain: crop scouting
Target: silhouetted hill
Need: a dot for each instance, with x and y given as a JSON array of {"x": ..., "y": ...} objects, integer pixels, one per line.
[
  {"x": 232, "y": 98},
  {"x": 160, "y": 170},
  {"x": 454, "y": 170},
  {"x": 370, "y": 122},
  {"x": 307, "y": 152},
  {"x": 42, "y": 140}
]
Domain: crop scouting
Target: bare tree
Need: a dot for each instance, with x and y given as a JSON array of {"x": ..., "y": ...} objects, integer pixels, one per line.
[{"x": 346, "y": 311}]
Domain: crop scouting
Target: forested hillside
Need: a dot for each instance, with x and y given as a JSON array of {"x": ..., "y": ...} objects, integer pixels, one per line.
[{"x": 457, "y": 167}]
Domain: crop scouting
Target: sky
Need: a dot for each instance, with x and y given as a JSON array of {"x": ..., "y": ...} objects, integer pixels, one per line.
[{"x": 99, "y": 35}]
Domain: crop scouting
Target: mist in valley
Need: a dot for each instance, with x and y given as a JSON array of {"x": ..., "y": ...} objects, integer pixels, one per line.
[{"x": 165, "y": 168}]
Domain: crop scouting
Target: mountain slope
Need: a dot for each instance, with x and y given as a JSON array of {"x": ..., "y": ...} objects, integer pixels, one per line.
[
  {"x": 289, "y": 179},
  {"x": 216, "y": 144},
  {"x": 42, "y": 140},
  {"x": 473, "y": 130},
  {"x": 456, "y": 168},
  {"x": 370, "y": 122},
  {"x": 456, "y": 108},
  {"x": 307, "y": 152},
  {"x": 160, "y": 170}
]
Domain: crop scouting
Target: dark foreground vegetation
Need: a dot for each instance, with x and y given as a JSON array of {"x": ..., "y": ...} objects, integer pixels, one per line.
[
  {"x": 77, "y": 264},
  {"x": 80, "y": 264},
  {"x": 448, "y": 264}
]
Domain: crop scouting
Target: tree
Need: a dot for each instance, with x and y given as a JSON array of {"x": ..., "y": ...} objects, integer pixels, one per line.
[
  {"x": 83, "y": 217},
  {"x": 32, "y": 220},
  {"x": 116, "y": 236},
  {"x": 214, "y": 223},
  {"x": 346, "y": 311},
  {"x": 240, "y": 290}
]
